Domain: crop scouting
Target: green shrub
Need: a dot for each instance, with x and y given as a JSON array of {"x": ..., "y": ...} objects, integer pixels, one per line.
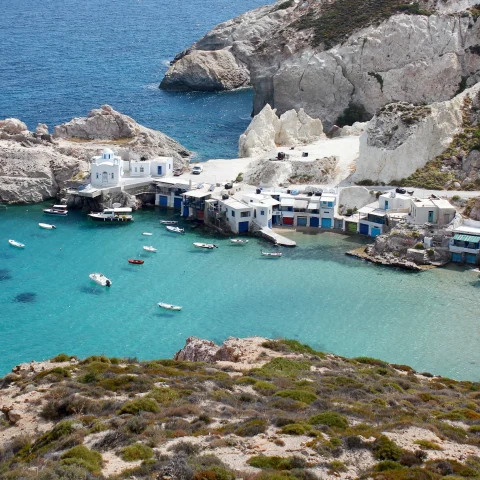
[
  {"x": 427, "y": 445},
  {"x": 251, "y": 428},
  {"x": 371, "y": 361},
  {"x": 164, "y": 396},
  {"x": 295, "y": 429},
  {"x": 336, "y": 466},
  {"x": 284, "y": 367},
  {"x": 297, "y": 347},
  {"x": 61, "y": 357},
  {"x": 276, "y": 463},
  {"x": 45, "y": 441},
  {"x": 299, "y": 395},
  {"x": 83, "y": 457},
  {"x": 387, "y": 465},
  {"x": 419, "y": 246},
  {"x": 284, "y": 5},
  {"x": 366, "y": 182},
  {"x": 137, "y": 451},
  {"x": 95, "y": 358},
  {"x": 430, "y": 252},
  {"x": 139, "y": 405},
  {"x": 456, "y": 198},
  {"x": 386, "y": 449},
  {"x": 330, "y": 419},
  {"x": 265, "y": 388},
  {"x": 215, "y": 472}
]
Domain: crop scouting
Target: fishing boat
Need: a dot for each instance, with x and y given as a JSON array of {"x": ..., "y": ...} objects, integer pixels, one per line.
[
  {"x": 136, "y": 262},
  {"x": 168, "y": 222},
  {"x": 14, "y": 243},
  {"x": 47, "y": 226},
  {"x": 272, "y": 254},
  {"x": 100, "y": 279},
  {"x": 169, "y": 307},
  {"x": 147, "y": 234},
  {"x": 113, "y": 215},
  {"x": 208, "y": 246},
  {"x": 238, "y": 241},
  {"x": 149, "y": 248},
  {"x": 58, "y": 210},
  {"x": 175, "y": 229}
]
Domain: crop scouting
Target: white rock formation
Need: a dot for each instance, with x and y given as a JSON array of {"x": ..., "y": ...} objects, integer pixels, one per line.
[
  {"x": 348, "y": 130},
  {"x": 206, "y": 71},
  {"x": 266, "y": 131},
  {"x": 412, "y": 58},
  {"x": 401, "y": 139},
  {"x": 354, "y": 197}
]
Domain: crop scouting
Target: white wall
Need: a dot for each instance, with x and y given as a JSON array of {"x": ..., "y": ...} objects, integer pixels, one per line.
[
  {"x": 101, "y": 170},
  {"x": 137, "y": 166}
]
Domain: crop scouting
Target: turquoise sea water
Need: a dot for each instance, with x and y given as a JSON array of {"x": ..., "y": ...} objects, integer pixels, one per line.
[
  {"x": 314, "y": 293},
  {"x": 60, "y": 59}
]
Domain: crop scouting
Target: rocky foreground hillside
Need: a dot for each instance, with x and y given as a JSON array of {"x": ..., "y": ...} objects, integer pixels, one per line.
[
  {"x": 252, "y": 408},
  {"x": 35, "y": 166},
  {"x": 341, "y": 61}
]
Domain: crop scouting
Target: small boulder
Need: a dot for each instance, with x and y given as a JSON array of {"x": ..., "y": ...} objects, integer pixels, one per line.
[{"x": 41, "y": 129}]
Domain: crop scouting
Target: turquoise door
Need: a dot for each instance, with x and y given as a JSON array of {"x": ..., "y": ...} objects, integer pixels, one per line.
[
  {"x": 326, "y": 223},
  {"x": 302, "y": 221},
  {"x": 470, "y": 258},
  {"x": 376, "y": 232},
  {"x": 430, "y": 217},
  {"x": 386, "y": 204},
  {"x": 457, "y": 257}
]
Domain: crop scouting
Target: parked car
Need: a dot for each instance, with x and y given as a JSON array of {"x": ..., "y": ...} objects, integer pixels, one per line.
[
  {"x": 178, "y": 171},
  {"x": 400, "y": 190},
  {"x": 197, "y": 169}
]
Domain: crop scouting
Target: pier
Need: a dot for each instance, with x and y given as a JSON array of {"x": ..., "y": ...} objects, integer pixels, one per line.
[{"x": 269, "y": 234}]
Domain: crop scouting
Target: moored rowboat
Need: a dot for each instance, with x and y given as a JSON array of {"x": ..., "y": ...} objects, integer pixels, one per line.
[
  {"x": 238, "y": 241},
  {"x": 136, "y": 262},
  {"x": 168, "y": 222},
  {"x": 147, "y": 234},
  {"x": 208, "y": 246},
  {"x": 149, "y": 248},
  {"x": 272, "y": 254},
  {"x": 14, "y": 243},
  {"x": 169, "y": 307},
  {"x": 175, "y": 229},
  {"x": 47, "y": 226}
]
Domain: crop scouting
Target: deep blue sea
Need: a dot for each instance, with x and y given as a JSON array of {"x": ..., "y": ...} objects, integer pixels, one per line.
[
  {"x": 314, "y": 293},
  {"x": 61, "y": 58}
]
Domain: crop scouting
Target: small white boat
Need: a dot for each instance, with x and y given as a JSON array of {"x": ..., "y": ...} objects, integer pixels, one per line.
[
  {"x": 118, "y": 215},
  {"x": 272, "y": 254},
  {"x": 58, "y": 210},
  {"x": 169, "y": 307},
  {"x": 175, "y": 229},
  {"x": 100, "y": 279},
  {"x": 13, "y": 243},
  {"x": 168, "y": 222},
  {"x": 208, "y": 246},
  {"x": 149, "y": 248},
  {"x": 47, "y": 226},
  {"x": 238, "y": 241},
  {"x": 147, "y": 234}
]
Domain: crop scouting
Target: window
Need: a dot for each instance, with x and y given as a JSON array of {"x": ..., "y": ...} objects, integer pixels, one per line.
[
  {"x": 245, "y": 214},
  {"x": 262, "y": 212},
  {"x": 233, "y": 213},
  {"x": 112, "y": 175},
  {"x": 141, "y": 169},
  {"x": 330, "y": 204},
  {"x": 97, "y": 174}
]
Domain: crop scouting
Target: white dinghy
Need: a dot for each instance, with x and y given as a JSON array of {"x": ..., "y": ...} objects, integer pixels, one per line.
[
  {"x": 149, "y": 248},
  {"x": 208, "y": 246},
  {"x": 272, "y": 254},
  {"x": 147, "y": 234},
  {"x": 47, "y": 226},
  {"x": 175, "y": 229},
  {"x": 238, "y": 241},
  {"x": 167, "y": 306},
  {"x": 100, "y": 279},
  {"x": 168, "y": 222},
  {"x": 14, "y": 243}
]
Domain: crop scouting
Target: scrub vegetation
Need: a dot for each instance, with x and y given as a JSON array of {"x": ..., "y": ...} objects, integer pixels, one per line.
[{"x": 175, "y": 418}]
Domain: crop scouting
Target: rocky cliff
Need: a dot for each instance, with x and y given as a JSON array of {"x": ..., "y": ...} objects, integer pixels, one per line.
[
  {"x": 343, "y": 59},
  {"x": 35, "y": 166},
  {"x": 402, "y": 139}
]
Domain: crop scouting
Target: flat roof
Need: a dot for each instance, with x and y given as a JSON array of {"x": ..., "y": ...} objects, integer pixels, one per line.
[
  {"x": 287, "y": 202},
  {"x": 270, "y": 201},
  {"x": 441, "y": 203},
  {"x": 237, "y": 205},
  {"x": 327, "y": 198},
  {"x": 300, "y": 203},
  {"x": 366, "y": 210},
  {"x": 467, "y": 230},
  {"x": 197, "y": 193}
]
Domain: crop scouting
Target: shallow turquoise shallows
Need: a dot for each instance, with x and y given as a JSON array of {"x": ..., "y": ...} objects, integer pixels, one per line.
[{"x": 314, "y": 293}]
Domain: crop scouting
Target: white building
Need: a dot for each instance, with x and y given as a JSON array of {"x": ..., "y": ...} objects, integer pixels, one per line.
[
  {"x": 237, "y": 214},
  {"x": 465, "y": 243},
  {"x": 394, "y": 201},
  {"x": 106, "y": 169},
  {"x": 431, "y": 210},
  {"x": 159, "y": 167}
]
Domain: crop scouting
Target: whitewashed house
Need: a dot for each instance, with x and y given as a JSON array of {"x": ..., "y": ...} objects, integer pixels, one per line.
[
  {"x": 431, "y": 210},
  {"x": 237, "y": 214},
  {"x": 394, "y": 201},
  {"x": 158, "y": 167},
  {"x": 106, "y": 170}
]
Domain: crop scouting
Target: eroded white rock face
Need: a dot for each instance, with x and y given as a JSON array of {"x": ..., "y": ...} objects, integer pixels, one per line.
[
  {"x": 266, "y": 131},
  {"x": 391, "y": 149},
  {"x": 354, "y": 197},
  {"x": 206, "y": 71}
]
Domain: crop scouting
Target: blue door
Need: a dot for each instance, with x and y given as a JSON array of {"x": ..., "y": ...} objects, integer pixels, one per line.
[
  {"x": 457, "y": 257},
  {"x": 386, "y": 204},
  {"x": 363, "y": 229},
  {"x": 177, "y": 203},
  {"x": 302, "y": 221},
  {"x": 375, "y": 232},
  {"x": 430, "y": 217},
  {"x": 185, "y": 211},
  {"x": 163, "y": 201},
  {"x": 326, "y": 223},
  {"x": 314, "y": 221},
  {"x": 470, "y": 258},
  {"x": 242, "y": 227},
  {"x": 159, "y": 170}
]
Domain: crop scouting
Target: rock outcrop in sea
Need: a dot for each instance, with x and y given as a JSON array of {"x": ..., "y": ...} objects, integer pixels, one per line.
[
  {"x": 341, "y": 59},
  {"x": 35, "y": 166}
]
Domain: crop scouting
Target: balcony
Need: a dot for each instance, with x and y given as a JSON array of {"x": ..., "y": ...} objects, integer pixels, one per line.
[{"x": 458, "y": 249}]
